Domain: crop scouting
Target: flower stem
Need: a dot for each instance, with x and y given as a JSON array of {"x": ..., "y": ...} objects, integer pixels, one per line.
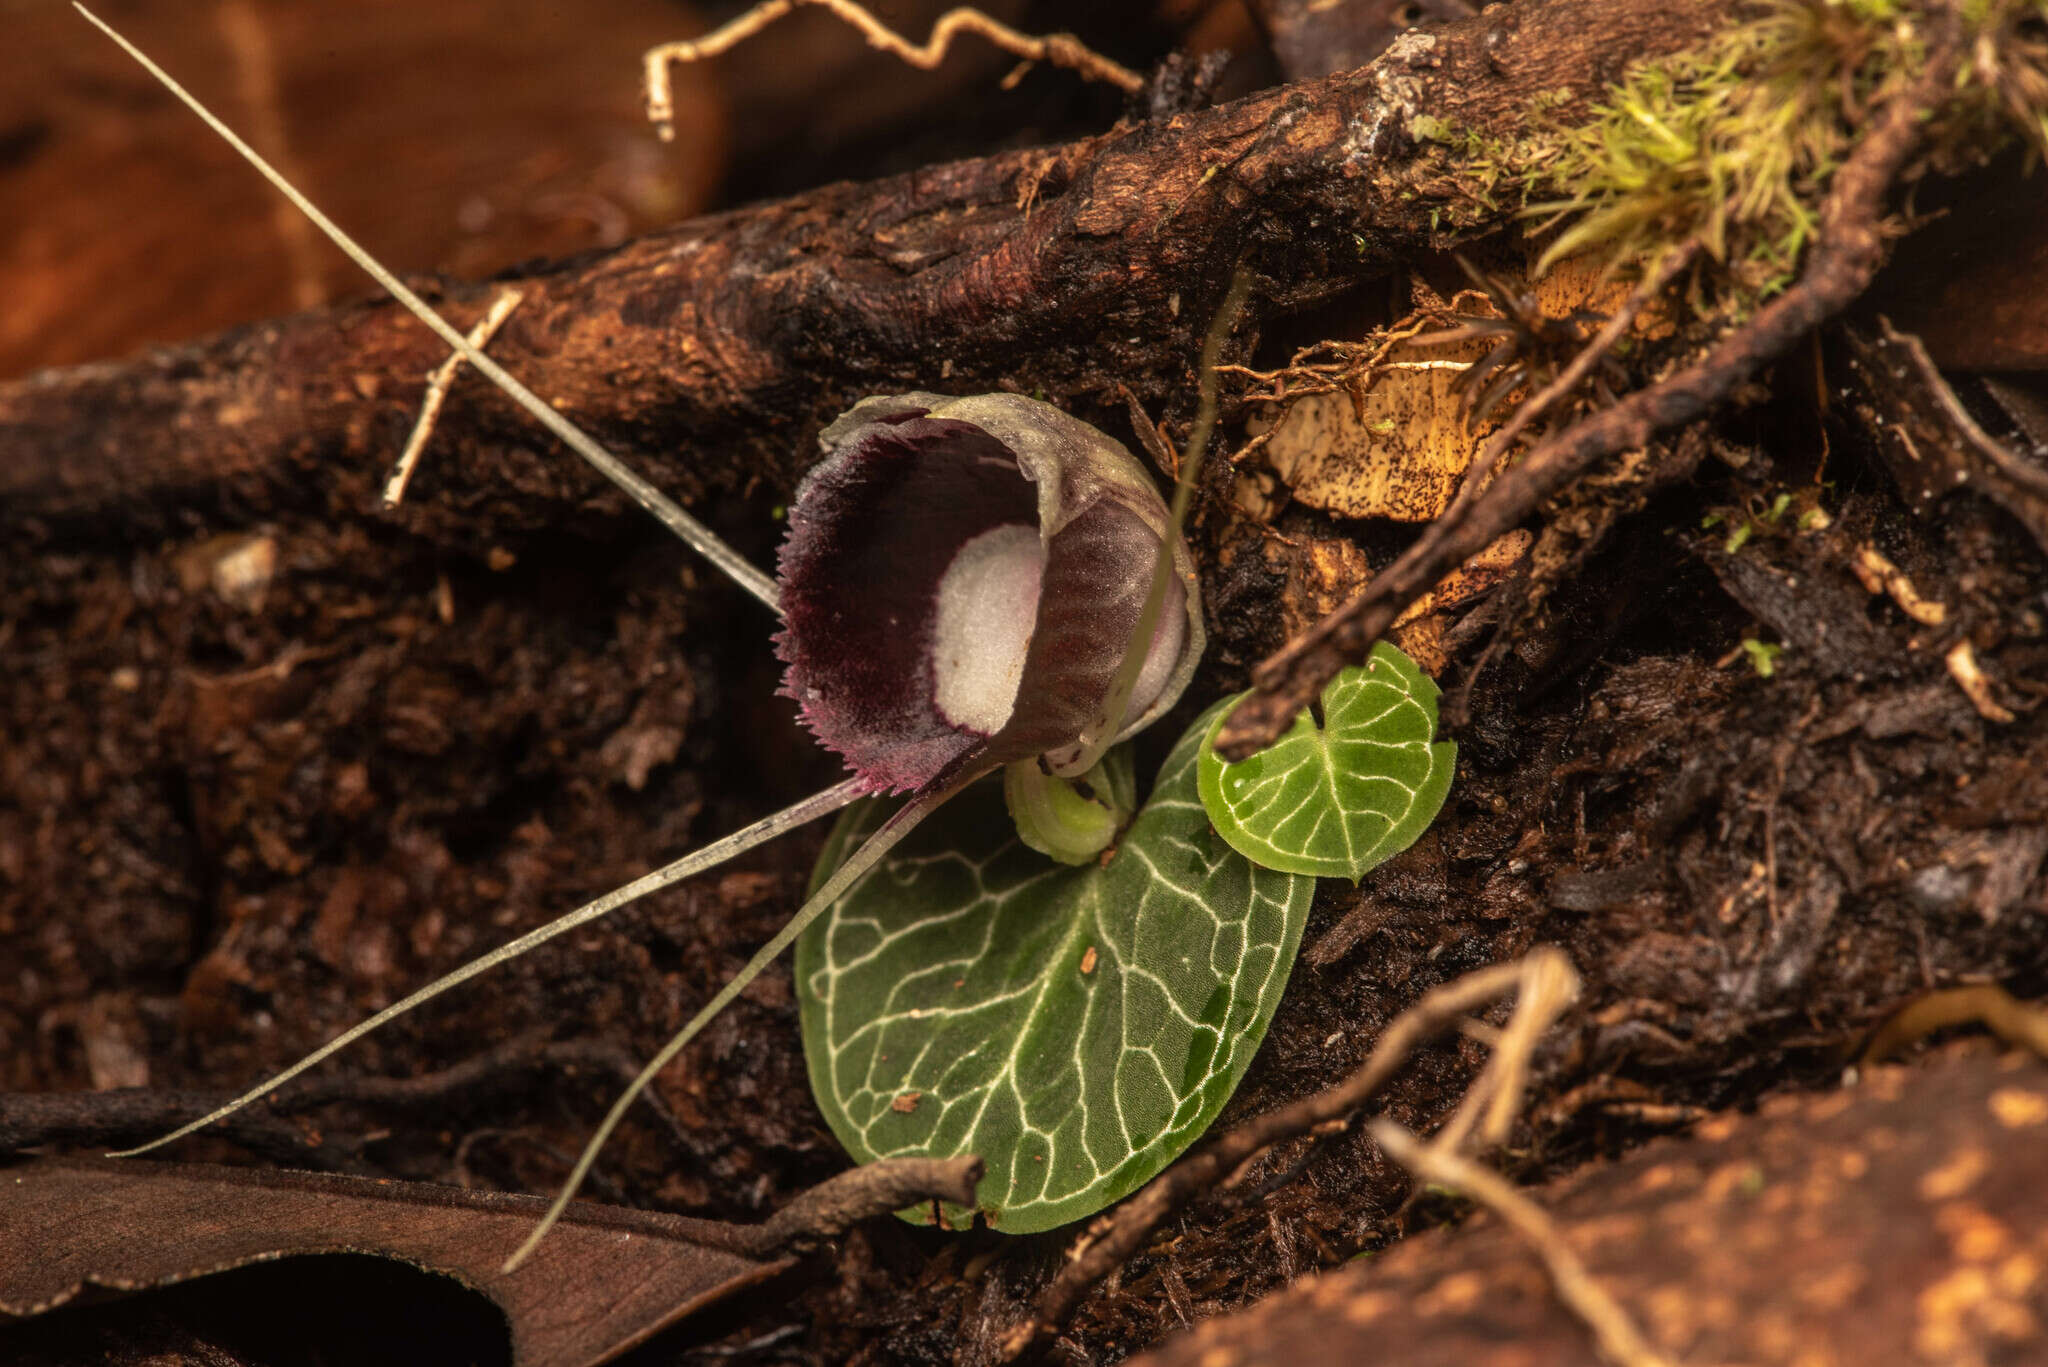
[{"x": 1103, "y": 728}]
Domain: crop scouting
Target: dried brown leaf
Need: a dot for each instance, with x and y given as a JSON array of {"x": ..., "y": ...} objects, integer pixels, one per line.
[{"x": 607, "y": 1279}]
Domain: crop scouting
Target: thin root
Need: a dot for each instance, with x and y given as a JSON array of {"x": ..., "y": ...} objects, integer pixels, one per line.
[
  {"x": 1969, "y": 676},
  {"x": 1616, "y": 1334},
  {"x": 1542, "y": 983},
  {"x": 1059, "y": 49}
]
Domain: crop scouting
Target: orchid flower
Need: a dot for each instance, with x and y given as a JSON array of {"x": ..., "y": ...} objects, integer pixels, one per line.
[{"x": 968, "y": 583}]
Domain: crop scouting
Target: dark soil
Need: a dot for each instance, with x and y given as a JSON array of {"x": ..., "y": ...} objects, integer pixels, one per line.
[
  {"x": 232, "y": 823},
  {"x": 231, "y": 829}
]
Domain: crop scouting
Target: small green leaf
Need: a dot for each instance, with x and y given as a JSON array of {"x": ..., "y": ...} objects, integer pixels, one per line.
[
  {"x": 1075, "y": 1027},
  {"x": 1336, "y": 799}
]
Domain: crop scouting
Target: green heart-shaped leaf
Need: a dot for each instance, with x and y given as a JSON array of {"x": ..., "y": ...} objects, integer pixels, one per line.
[
  {"x": 1075, "y": 1027},
  {"x": 1336, "y": 799}
]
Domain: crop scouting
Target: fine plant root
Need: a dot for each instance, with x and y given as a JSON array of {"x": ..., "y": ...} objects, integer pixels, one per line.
[
  {"x": 1057, "y": 49},
  {"x": 1543, "y": 983},
  {"x": 1976, "y": 685},
  {"x": 1997, "y": 1010},
  {"x": 1620, "y": 1341},
  {"x": 1846, "y": 252},
  {"x": 437, "y": 394}
]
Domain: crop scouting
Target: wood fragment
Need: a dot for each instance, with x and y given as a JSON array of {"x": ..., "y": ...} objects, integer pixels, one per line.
[
  {"x": 1846, "y": 253},
  {"x": 1058, "y": 49},
  {"x": 437, "y": 395}
]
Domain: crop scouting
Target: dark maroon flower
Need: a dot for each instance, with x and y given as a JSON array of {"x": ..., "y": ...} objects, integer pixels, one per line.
[{"x": 960, "y": 580}]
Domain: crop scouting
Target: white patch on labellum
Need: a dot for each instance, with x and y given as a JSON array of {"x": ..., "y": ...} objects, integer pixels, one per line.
[{"x": 988, "y": 603}]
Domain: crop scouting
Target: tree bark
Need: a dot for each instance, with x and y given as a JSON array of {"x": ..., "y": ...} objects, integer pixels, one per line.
[
  {"x": 711, "y": 350},
  {"x": 1750, "y": 1242}
]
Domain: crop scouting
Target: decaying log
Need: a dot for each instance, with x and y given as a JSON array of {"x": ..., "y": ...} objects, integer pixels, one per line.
[
  {"x": 709, "y": 350},
  {"x": 1902, "y": 1220}
]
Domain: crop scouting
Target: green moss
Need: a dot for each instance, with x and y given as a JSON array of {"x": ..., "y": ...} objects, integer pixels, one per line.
[{"x": 1734, "y": 143}]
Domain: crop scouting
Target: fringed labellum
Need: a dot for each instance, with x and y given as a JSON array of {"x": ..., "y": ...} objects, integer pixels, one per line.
[{"x": 961, "y": 578}]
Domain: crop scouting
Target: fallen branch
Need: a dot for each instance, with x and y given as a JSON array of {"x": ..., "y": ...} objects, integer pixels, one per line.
[
  {"x": 1847, "y": 251},
  {"x": 1543, "y": 983},
  {"x": 713, "y": 349}
]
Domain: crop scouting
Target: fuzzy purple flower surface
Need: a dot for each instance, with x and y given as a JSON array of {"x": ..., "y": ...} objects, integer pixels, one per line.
[{"x": 960, "y": 581}]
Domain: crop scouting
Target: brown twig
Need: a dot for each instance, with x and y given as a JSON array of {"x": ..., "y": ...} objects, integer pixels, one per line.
[
  {"x": 1616, "y": 1334},
  {"x": 836, "y": 1204},
  {"x": 1113, "y": 1238},
  {"x": 1568, "y": 380},
  {"x": 1846, "y": 253},
  {"x": 437, "y": 395},
  {"x": 1059, "y": 49}
]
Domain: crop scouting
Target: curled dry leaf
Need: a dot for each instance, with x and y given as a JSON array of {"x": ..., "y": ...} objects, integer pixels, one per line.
[{"x": 608, "y": 1279}]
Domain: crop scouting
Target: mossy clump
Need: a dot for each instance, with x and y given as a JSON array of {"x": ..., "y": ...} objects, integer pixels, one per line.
[{"x": 1733, "y": 143}]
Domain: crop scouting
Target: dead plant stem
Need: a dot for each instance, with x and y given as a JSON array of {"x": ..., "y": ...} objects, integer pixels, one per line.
[
  {"x": 1058, "y": 49},
  {"x": 1846, "y": 253}
]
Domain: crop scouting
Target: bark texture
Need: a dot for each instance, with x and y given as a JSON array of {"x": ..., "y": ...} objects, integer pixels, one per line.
[
  {"x": 1903, "y": 1219},
  {"x": 710, "y": 351}
]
